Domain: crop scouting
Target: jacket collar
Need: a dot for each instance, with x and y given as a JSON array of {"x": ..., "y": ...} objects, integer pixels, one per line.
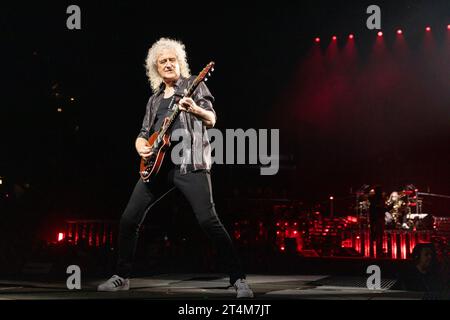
[{"x": 177, "y": 85}]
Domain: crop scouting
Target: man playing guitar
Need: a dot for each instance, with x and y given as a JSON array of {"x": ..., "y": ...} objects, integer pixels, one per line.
[{"x": 169, "y": 75}]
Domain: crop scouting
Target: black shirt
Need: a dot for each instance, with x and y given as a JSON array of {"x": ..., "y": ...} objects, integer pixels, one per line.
[{"x": 163, "y": 112}]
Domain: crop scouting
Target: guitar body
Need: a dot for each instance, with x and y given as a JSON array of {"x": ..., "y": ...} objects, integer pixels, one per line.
[{"x": 150, "y": 167}]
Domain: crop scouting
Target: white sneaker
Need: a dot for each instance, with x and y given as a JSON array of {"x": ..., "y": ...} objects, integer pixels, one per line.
[
  {"x": 115, "y": 283},
  {"x": 242, "y": 289}
]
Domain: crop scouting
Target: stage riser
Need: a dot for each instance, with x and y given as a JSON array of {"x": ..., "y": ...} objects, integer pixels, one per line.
[{"x": 396, "y": 244}]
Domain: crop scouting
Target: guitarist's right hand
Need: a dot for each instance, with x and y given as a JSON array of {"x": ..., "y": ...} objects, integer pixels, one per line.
[
  {"x": 143, "y": 148},
  {"x": 145, "y": 152}
]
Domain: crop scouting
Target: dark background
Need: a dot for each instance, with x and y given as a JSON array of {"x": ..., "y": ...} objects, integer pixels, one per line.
[{"x": 380, "y": 118}]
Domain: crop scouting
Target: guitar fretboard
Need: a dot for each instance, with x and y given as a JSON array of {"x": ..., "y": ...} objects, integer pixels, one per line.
[{"x": 176, "y": 111}]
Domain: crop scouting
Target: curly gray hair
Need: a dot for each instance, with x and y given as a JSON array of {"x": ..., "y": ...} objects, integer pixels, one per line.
[{"x": 152, "y": 56}]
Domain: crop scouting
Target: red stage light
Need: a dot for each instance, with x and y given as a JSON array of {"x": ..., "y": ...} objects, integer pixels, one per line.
[
  {"x": 399, "y": 32},
  {"x": 282, "y": 248},
  {"x": 331, "y": 198},
  {"x": 334, "y": 38},
  {"x": 448, "y": 27},
  {"x": 60, "y": 236},
  {"x": 351, "y": 36},
  {"x": 428, "y": 29},
  {"x": 380, "y": 34},
  {"x": 286, "y": 224},
  {"x": 295, "y": 232},
  {"x": 317, "y": 40},
  {"x": 352, "y": 219}
]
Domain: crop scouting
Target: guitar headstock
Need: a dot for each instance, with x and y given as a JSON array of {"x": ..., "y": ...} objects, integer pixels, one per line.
[
  {"x": 205, "y": 73},
  {"x": 202, "y": 76}
]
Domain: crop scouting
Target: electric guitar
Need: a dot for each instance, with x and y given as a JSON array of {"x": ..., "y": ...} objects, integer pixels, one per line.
[{"x": 159, "y": 141}]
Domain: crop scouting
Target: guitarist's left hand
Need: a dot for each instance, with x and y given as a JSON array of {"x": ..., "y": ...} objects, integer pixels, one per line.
[{"x": 188, "y": 105}]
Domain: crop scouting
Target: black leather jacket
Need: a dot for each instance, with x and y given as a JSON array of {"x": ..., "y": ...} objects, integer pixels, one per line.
[{"x": 197, "y": 151}]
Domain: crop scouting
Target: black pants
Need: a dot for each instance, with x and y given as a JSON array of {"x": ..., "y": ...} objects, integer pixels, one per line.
[{"x": 196, "y": 187}]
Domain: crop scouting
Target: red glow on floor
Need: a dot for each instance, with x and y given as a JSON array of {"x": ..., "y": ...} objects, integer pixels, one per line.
[
  {"x": 366, "y": 244},
  {"x": 403, "y": 246},
  {"x": 394, "y": 248},
  {"x": 97, "y": 240},
  {"x": 104, "y": 235},
  {"x": 412, "y": 243},
  {"x": 76, "y": 234},
  {"x": 358, "y": 244}
]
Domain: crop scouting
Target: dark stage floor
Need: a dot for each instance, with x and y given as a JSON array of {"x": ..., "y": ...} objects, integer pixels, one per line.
[{"x": 211, "y": 286}]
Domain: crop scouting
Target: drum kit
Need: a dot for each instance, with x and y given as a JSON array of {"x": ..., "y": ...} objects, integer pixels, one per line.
[
  {"x": 401, "y": 207},
  {"x": 399, "y": 210},
  {"x": 292, "y": 221}
]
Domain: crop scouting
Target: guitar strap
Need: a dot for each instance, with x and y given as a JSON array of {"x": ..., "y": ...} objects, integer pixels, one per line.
[{"x": 177, "y": 96}]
